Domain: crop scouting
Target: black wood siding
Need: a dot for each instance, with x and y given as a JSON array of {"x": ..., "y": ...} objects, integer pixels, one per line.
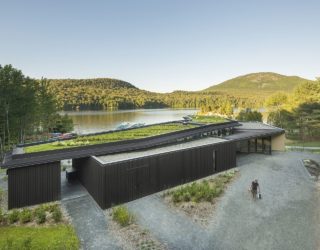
[
  {"x": 91, "y": 174},
  {"x": 34, "y": 184},
  {"x": 124, "y": 181}
]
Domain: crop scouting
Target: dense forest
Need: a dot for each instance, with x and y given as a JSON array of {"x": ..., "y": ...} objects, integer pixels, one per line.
[
  {"x": 26, "y": 109},
  {"x": 106, "y": 93},
  {"x": 298, "y": 112}
]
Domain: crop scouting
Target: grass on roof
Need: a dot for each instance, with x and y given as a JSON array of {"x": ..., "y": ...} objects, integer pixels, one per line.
[
  {"x": 208, "y": 119},
  {"x": 110, "y": 137}
]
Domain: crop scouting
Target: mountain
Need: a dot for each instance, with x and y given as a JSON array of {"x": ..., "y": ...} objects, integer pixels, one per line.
[
  {"x": 101, "y": 93},
  {"x": 248, "y": 91},
  {"x": 262, "y": 82}
]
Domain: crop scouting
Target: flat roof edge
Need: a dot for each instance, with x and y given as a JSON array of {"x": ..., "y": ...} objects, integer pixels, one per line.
[{"x": 160, "y": 153}]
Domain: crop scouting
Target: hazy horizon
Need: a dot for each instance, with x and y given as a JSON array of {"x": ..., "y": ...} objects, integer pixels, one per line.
[{"x": 161, "y": 46}]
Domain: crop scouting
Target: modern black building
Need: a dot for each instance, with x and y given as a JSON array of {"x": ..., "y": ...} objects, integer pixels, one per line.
[{"x": 122, "y": 171}]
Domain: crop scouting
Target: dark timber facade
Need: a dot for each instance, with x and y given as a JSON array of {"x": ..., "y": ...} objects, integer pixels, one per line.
[
  {"x": 33, "y": 185},
  {"x": 114, "y": 173},
  {"x": 128, "y": 179}
]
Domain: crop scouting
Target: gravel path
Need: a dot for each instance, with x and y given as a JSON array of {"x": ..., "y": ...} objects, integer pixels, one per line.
[
  {"x": 286, "y": 218},
  {"x": 88, "y": 219},
  {"x": 171, "y": 228}
]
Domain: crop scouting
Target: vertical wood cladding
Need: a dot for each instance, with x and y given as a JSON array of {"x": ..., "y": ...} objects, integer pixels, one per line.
[
  {"x": 90, "y": 174},
  {"x": 34, "y": 184},
  {"x": 119, "y": 182}
]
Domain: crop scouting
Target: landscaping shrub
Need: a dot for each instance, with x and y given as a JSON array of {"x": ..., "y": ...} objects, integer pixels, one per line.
[
  {"x": 13, "y": 216},
  {"x": 46, "y": 207},
  {"x": 122, "y": 216},
  {"x": 57, "y": 214},
  {"x": 25, "y": 216},
  {"x": 50, "y": 207},
  {"x": 40, "y": 215},
  {"x": 202, "y": 191}
]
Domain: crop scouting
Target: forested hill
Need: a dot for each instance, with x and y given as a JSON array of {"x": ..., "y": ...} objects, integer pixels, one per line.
[
  {"x": 100, "y": 93},
  {"x": 247, "y": 91},
  {"x": 263, "y": 82},
  {"x": 105, "y": 83}
]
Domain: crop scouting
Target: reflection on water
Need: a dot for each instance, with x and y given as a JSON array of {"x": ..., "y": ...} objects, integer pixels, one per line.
[{"x": 95, "y": 121}]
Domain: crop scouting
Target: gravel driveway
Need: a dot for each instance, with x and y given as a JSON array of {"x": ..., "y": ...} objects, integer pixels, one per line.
[
  {"x": 286, "y": 218},
  {"x": 171, "y": 228}
]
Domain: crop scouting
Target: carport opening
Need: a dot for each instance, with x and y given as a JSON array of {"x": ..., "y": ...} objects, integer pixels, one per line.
[{"x": 68, "y": 169}]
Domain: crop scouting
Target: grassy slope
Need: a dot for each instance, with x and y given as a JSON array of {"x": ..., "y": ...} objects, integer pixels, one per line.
[
  {"x": 53, "y": 237},
  {"x": 111, "y": 137},
  {"x": 259, "y": 82}
]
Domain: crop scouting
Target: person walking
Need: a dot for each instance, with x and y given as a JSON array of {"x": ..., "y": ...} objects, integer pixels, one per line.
[{"x": 255, "y": 189}]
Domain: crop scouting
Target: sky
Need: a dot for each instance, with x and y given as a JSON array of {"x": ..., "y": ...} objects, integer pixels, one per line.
[{"x": 161, "y": 45}]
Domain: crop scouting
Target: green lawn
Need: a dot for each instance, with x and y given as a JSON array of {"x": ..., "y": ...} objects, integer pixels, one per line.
[
  {"x": 110, "y": 137},
  {"x": 52, "y": 237},
  {"x": 303, "y": 144},
  {"x": 208, "y": 119}
]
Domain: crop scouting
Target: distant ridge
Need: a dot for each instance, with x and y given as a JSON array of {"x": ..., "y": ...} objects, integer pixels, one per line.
[
  {"x": 107, "y": 93},
  {"x": 104, "y": 83},
  {"x": 262, "y": 81}
]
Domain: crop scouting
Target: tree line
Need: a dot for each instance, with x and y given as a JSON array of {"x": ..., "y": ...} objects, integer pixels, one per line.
[
  {"x": 298, "y": 113},
  {"x": 105, "y": 93},
  {"x": 27, "y": 109}
]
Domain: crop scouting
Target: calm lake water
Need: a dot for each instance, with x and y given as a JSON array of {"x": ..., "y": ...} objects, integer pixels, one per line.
[{"x": 96, "y": 121}]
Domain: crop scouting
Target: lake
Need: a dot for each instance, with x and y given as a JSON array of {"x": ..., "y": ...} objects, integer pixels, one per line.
[{"x": 96, "y": 121}]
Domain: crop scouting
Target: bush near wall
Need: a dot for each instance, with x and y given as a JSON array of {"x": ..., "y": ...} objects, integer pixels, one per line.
[
  {"x": 122, "y": 216},
  {"x": 200, "y": 191}
]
